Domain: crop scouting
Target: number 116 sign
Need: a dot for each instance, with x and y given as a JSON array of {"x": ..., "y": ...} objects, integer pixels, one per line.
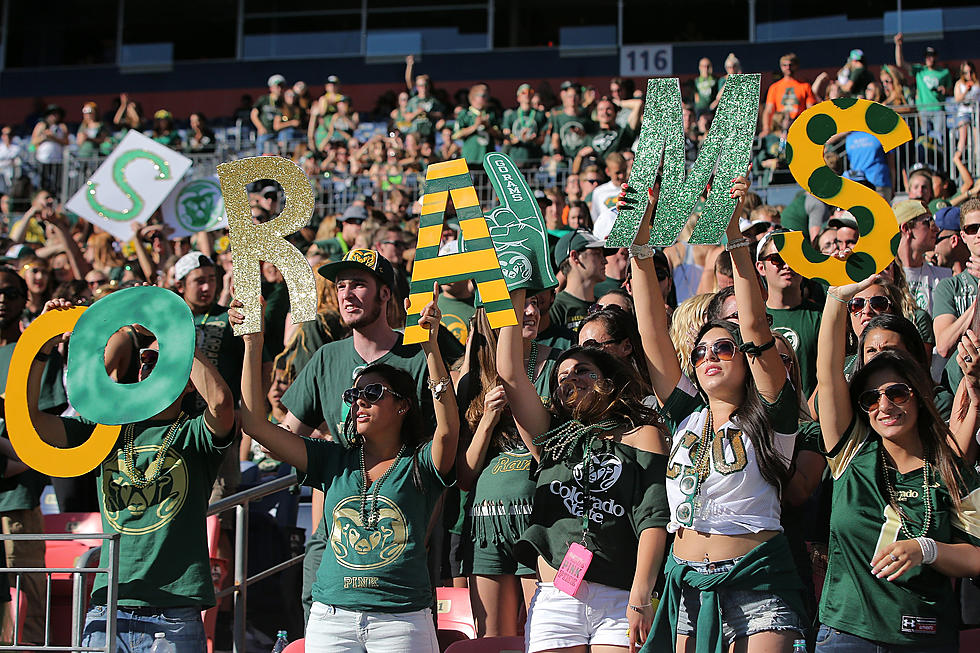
[{"x": 646, "y": 60}]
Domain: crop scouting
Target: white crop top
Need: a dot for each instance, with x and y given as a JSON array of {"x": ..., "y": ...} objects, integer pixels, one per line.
[{"x": 734, "y": 499}]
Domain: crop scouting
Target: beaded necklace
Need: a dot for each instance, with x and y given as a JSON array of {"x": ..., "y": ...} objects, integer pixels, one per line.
[
  {"x": 893, "y": 496},
  {"x": 155, "y": 468},
  {"x": 702, "y": 466},
  {"x": 369, "y": 519},
  {"x": 532, "y": 362}
]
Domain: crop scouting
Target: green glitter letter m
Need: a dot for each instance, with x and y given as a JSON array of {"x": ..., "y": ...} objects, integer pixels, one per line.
[{"x": 729, "y": 145}]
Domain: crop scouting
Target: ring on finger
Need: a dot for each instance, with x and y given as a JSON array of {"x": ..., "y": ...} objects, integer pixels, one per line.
[
  {"x": 893, "y": 557},
  {"x": 967, "y": 358}
]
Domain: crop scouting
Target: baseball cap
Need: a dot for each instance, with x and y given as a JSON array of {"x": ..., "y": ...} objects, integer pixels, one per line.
[
  {"x": 856, "y": 54},
  {"x": 567, "y": 84},
  {"x": 190, "y": 262},
  {"x": 931, "y": 51},
  {"x": 746, "y": 224},
  {"x": 909, "y": 210},
  {"x": 576, "y": 241},
  {"x": 333, "y": 79},
  {"x": 276, "y": 80},
  {"x": 542, "y": 198},
  {"x": 163, "y": 114},
  {"x": 524, "y": 87},
  {"x": 361, "y": 259},
  {"x": 948, "y": 218},
  {"x": 766, "y": 238},
  {"x": 843, "y": 219},
  {"x": 354, "y": 212}
]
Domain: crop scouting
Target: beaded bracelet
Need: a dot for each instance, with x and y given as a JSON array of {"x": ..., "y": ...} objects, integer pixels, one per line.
[
  {"x": 641, "y": 252},
  {"x": 929, "y": 549}
]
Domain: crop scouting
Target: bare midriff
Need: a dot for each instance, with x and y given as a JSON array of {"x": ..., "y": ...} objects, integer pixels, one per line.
[{"x": 696, "y": 547}]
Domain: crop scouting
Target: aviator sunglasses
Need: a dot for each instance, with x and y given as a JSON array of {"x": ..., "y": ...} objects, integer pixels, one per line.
[
  {"x": 724, "y": 349},
  {"x": 897, "y": 393},
  {"x": 371, "y": 393}
]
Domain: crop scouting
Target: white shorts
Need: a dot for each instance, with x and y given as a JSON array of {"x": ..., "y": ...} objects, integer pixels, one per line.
[
  {"x": 596, "y": 615},
  {"x": 335, "y": 630}
]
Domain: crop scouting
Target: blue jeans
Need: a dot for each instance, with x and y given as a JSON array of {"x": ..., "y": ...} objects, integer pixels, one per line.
[
  {"x": 831, "y": 640},
  {"x": 135, "y": 628}
]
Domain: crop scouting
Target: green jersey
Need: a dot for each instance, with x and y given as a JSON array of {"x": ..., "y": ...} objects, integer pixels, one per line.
[
  {"x": 927, "y": 83},
  {"x": 163, "y": 548},
  {"x": 456, "y": 314},
  {"x": 268, "y": 110},
  {"x": 380, "y": 569},
  {"x": 953, "y": 295},
  {"x": 573, "y": 132},
  {"x": 557, "y": 336},
  {"x": 920, "y": 607},
  {"x": 477, "y": 144},
  {"x": 23, "y": 491},
  {"x": 706, "y": 89},
  {"x": 800, "y": 325},
  {"x": 526, "y": 126},
  {"x": 616, "y": 139},
  {"x": 569, "y": 310},
  {"x": 423, "y": 125}
]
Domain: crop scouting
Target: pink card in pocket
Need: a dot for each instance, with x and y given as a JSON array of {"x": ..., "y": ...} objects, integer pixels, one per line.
[{"x": 573, "y": 568}]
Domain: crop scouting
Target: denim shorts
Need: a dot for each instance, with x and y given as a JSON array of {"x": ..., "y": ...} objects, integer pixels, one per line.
[
  {"x": 743, "y": 612},
  {"x": 135, "y": 628},
  {"x": 831, "y": 640}
]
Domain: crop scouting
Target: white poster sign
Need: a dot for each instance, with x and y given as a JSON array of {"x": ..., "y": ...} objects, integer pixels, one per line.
[
  {"x": 195, "y": 205},
  {"x": 130, "y": 185}
]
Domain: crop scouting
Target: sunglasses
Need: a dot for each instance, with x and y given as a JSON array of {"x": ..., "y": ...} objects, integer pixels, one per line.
[
  {"x": 95, "y": 283},
  {"x": 971, "y": 229},
  {"x": 354, "y": 221},
  {"x": 595, "y": 308},
  {"x": 773, "y": 258},
  {"x": 592, "y": 343},
  {"x": 940, "y": 239},
  {"x": 148, "y": 360},
  {"x": 723, "y": 349},
  {"x": 591, "y": 181},
  {"x": 734, "y": 318},
  {"x": 878, "y": 303},
  {"x": 371, "y": 393},
  {"x": 897, "y": 393}
]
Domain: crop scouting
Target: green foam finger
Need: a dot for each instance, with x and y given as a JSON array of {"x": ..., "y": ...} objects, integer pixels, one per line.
[{"x": 93, "y": 393}]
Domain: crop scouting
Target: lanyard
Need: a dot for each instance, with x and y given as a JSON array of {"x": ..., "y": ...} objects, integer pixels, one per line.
[{"x": 587, "y": 488}]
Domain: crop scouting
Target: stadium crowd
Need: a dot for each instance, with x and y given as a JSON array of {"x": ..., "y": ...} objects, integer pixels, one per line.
[{"x": 676, "y": 429}]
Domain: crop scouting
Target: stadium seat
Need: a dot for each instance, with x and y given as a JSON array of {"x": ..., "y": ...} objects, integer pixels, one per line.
[
  {"x": 74, "y": 522},
  {"x": 453, "y": 610},
  {"x": 488, "y": 645}
]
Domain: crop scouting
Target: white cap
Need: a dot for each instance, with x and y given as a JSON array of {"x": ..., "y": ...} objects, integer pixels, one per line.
[
  {"x": 275, "y": 80},
  {"x": 188, "y": 262}
]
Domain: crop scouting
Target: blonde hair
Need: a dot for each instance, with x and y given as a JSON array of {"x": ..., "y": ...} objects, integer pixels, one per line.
[
  {"x": 327, "y": 228},
  {"x": 732, "y": 60},
  {"x": 104, "y": 257},
  {"x": 688, "y": 318}
]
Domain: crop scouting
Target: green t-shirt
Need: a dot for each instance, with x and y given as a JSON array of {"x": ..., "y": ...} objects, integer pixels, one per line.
[
  {"x": 456, "y": 314},
  {"x": 607, "y": 285},
  {"x": 268, "y": 110},
  {"x": 333, "y": 249},
  {"x": 223, "y": 349},
  {"x": 526, "y": 126},
  {"x": 315, "y": 394},
  {"x": 954, "y": 295},
  {"x": 23, "y": 491},
  {"x": 423, "y": 125},
  {"x": 627, "y": 497},
  {"x": 605, "y": 141},
  {"x": 800, "y": 325},
  {"x": 927, "y": 83},
  {"x": 573, "y": 131},
  {"x": 163, "y": 548},
  {"x": 276, "y": 309},
  {"x": 707, "y": 89},
  {"x": 569, "y": 310},
  {"x": 557, "y": 336},
  {"x": 382, "y": 569},
  {"x": 920, "y": 607},
  {"x": 477, "y": 144}
]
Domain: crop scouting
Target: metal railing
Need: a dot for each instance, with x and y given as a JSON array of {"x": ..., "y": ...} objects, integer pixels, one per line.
[
  {"x": 78, "y": 592},
  {"x": 241, "y": 581}
]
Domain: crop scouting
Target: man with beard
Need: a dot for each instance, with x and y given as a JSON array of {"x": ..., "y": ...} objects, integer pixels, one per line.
[
  {"x": 365, "y": 281},
  {"x": 20, "y": 495},
  {"x": 793, "y": 317},
  {"x": 153, "y": 490}
]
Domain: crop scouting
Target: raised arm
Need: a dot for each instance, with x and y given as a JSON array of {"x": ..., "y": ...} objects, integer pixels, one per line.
[
  {"x": 965, "y": 418},
  {"x": 833, "y": 399},
  {"x": 530, "y": 415},
  {"x": 49, "y": 427},
  {"x": 446, "y": 437},
  {"x": 899, "y": 55},
  {"x": 470, "y": 464},
  {"x": 767, "y": 368},
  {"x": 651, "y": 313},
  {"x": 409, "y": 64},
  {"x": 220, "y": 413},
  {"x": 635, "y": 106}
]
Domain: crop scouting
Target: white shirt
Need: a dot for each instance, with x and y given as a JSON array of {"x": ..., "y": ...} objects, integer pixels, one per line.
[
  {"x": 923, "y": 281},
  {"x": 604, "y": 196},
  {"x": 734, "y": 499}
]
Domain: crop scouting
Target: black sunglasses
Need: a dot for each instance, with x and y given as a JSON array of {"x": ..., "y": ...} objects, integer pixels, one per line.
[
  {"x": 971, "y": 229},
  {"x": 355, "y": 220},
  {"x": 371, "y": 393},
  {"x": 723, "y": 349},
  {"x": 897, "y": 393},
  {"x": 734, "y": 318},
  {"x": 773, "y": 258},
  {"x": 595, "y": 344},
  {"x": 878, "y": 303},
  {"x": 940, "y": 239}
]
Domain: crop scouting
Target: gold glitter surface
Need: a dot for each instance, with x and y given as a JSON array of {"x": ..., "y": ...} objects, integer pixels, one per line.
[
  {"x": 662, "y": 139},
  {"x": 251, "y": 243}
]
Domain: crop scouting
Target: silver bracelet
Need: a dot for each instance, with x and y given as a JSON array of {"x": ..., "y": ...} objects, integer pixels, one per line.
[
  {"x": 641, "y": 252},
  {"x": 438, "y": 387},
  {"x": 738, "y": 242},
  {"x": 929, "y": 549}
]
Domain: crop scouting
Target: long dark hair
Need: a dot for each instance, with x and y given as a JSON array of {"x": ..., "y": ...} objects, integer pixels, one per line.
[
  {"x": 934, "y": 433},
  {"x": 618, "y": 395},
  {"x": 621, "y": 325},
  {"x": 751, "y": 414},
  {"x": 413, "y": 425},
  {"x": 905, "y": 330}
]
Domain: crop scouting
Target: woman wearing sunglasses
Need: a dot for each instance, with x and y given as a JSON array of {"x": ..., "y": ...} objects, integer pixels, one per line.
[
  {"x": 735, "y": 424},
  {"x": 599, "y": 503},
  {"x": 901, "y": 496},
  {"x": 372, "y": 590},
  {"x": 614, "y": 331}
]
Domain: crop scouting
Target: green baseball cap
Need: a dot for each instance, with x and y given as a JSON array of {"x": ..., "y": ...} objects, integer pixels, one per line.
[{"x": 576, "y": 241}]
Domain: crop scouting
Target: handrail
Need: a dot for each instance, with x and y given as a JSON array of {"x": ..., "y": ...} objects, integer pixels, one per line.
[{"x": 252, "y": 494}]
